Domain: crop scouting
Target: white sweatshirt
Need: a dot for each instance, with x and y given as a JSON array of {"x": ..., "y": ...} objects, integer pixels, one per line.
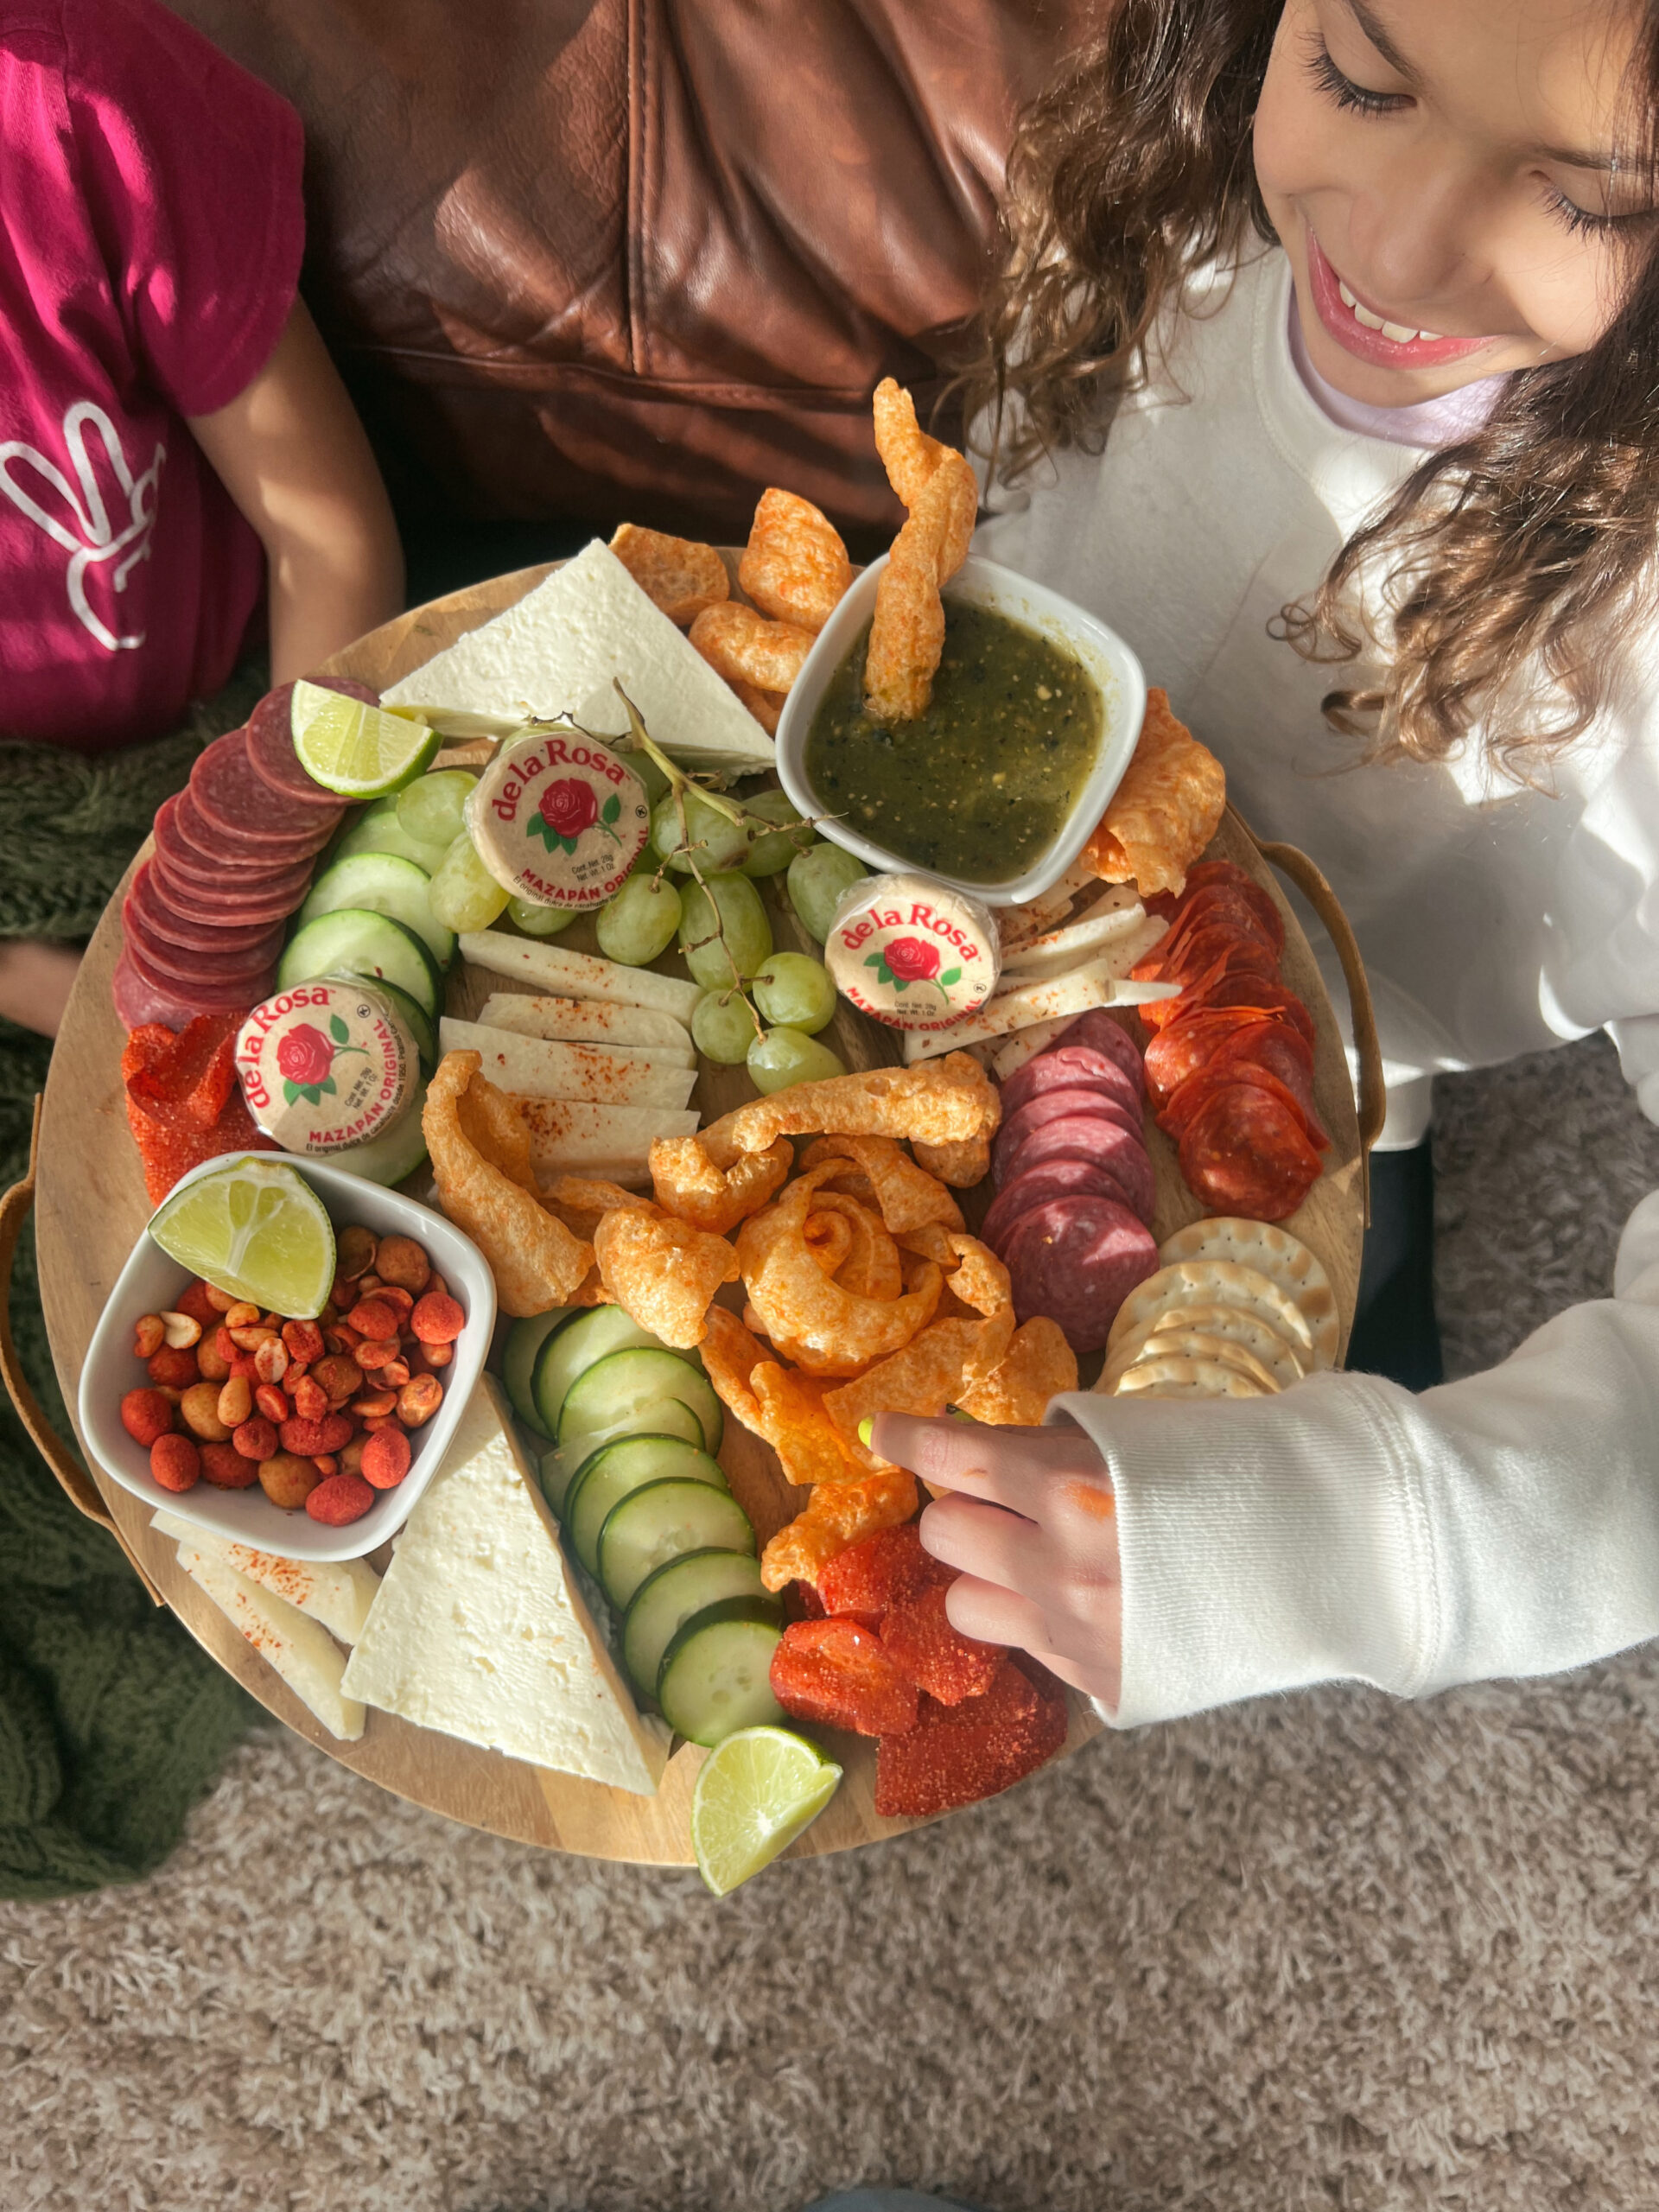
[{"x": 1508, "y": 1525}]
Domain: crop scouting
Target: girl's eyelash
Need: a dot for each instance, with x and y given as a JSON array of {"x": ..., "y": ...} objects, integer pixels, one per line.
[
  {"x": 1578, "y": 220},
  {"x": 1343, "y": 90}
]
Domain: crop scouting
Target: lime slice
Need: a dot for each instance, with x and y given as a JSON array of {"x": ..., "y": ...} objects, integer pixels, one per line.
[
  {"x": 360, "y": 751},
  {"x": 755, "y": 1794},
  {"x": 257, "y": 1230}
]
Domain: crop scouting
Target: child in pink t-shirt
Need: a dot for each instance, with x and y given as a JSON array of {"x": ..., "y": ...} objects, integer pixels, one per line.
[{"x": 176, "y": 446}]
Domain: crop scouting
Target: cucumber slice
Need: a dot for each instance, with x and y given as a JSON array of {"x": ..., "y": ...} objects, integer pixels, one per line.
[
  {"x": 716, "y": 1675},
  {"x": 686, "y": 1587},
  {"x": 657, "y": 1417},
  {"x": 616, "y": 1469},
  {"x": 422, "y": 1027},
  {"x": 381, "y": 883},
  {"x": 393, "y": 1154},
  {"x": 592, "y": 1336},
  {"x": 378, "y": 830},
  {"x": 357, "y": 943},
  {"x": 652, "y": 1526},
  {"x": 523, "y": 1340},
  {"x": 612, "y": 1392}
]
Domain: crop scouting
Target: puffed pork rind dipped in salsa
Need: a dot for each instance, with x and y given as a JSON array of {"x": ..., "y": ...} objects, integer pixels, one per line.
[
  {"x": 1166, "y": 811},
  {"x": 479, "y": 1150},
  {"x": 907, "y": 633}
]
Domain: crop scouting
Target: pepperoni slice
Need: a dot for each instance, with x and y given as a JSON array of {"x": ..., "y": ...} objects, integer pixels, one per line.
[
  {"x": 1062, "y": 1067},
  {"x": 1067, "y": 1177},
  {"x": 1057, "y": 1105},
  {"x": 1244, "y": 1151},
  {"x": 1186, "y": 1045},
  {"x": 1077, "y": 1259},
  {"x": 1237, "y": 972},
  {"x": 270, "y": 745},
  {"x": 1199, "y": 950},
  {"x": 1276, "y": 1052},
  {"x": 247, "y": 815},
  {"x": 1083, "y": 1137},
  {"x": 1263, "y": 993}
]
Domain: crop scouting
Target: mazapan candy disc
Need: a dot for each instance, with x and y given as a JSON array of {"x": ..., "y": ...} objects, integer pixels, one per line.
[
  {"x": 325, "y": 1066},
  {"x": 558, "y": 818},
  {"x": 910, "y": 951}
]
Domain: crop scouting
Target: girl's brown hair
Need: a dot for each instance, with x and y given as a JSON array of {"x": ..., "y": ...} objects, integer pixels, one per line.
[{"x": 1512, "y": 550}]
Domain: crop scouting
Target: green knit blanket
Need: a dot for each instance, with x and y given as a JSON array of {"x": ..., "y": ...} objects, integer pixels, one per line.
[{"x": 112, "y": 1722}]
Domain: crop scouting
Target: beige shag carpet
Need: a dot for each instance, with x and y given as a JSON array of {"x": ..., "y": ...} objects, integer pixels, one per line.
[{"x": 1328, "y": 1951}]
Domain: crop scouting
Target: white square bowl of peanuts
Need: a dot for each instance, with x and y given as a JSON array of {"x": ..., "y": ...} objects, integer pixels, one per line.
[{"x": 262, "y": 1502}]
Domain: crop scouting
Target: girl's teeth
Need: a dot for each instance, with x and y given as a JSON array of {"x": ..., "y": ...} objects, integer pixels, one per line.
[{"x": 1396, "y": 332}]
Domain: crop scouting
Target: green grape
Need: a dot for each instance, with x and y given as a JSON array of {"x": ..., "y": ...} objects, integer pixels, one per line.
[
  {"x": 537, "y": 920},
  {"x": 722, "y": 1027},
  {"x": 784, "y": 1056},
  {"x": 718, "y": 843},
  {"x": 773, "y": 850},
  {"x": 463, "y": 894},
  {"x": 650, "y": 774},
  {"x": 432, "y": 808},
  {"x": 639, "y": 921},
  {"x": 748, "y": 934},
  {"x": 818, "y": 878},
  {"x": 796, "y": 991}
]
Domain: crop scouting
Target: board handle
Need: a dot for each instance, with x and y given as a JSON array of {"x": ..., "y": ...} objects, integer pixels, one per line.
[
  {"x": 1291, "y": 861},
  {"x": 14, "y": 1208}
]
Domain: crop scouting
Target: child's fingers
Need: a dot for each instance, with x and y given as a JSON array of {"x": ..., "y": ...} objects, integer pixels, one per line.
[
  {"x": 1006, "y": 1465},
  {"x": 983, "y": 1540},
  {"x": 993, "y": 1614}
]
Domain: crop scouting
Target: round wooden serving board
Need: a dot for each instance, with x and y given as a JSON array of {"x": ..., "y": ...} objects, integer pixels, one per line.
[{"x": 90, "y": 1209}]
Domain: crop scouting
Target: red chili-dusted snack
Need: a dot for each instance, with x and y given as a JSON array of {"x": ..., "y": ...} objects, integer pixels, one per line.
[
  {"x": 177, "y": 1369},
  {"x": 836, "y": 1673},
  {"x": 385, "y": 1458},
  {"x": 256, "y": 1438},
  {"x": 194, "y": 1300},
  {"x": 303, "y": 1341},
  {"x": 437, "y": 1318},
  {"x": 918, "y": 1639},
  {"x": 146, "y": 1414},
  {"x": 957, "y": 1754},
  {"x": 223, "y": 1467},
  {"x": 272, "y": 1404},
  {"x": 374, "y": 1318},
  {"x": 310, "y": 1398},
  {"x": 338, "y": 1500},
  {"x": 174, "y": 1462},
  {"x": 879, "y": 1571},
  {"x": 308, "y": 1438}
]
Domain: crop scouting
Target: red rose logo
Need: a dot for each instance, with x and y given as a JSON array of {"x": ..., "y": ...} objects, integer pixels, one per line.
[
  {"x": 913, "y": 960},
  {"x": 568, "y": 807},
  {"x": 305, "y": 1055}
]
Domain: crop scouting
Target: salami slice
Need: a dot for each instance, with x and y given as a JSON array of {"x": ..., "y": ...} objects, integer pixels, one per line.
[
  {"x": 1061, "y": 1068},
  {"x": 1077, "y": 1259},
  {"x": 176, "y": 963},
  {"x": 213, "y": 934},
  {"x": 1053, "y": 1106},
  {"x": 246, "y": 815},
  {"x": 1097, "y": 1030},
  {"x": 1066, "y": 1177},
  {"x": 138, "y": 1001},
  {"x": 1244, "y": 1153},
  {"x": 1244, "y": 908},
  {"x": 240, "y": 878},
  {"x": 270, "y": 745},
  {"x": 206, "y": 992},
  {"x": 1124, "y": 1157},
  {"x": 234, "y": 901}
]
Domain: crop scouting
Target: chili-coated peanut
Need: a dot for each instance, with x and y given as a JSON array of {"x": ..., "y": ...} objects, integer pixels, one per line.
[
  {"x": 175, "y": 1462},
  {"x": 376, "y": 1351},
  {"x": 438, "y": 1355},
  {"x": 376, "y": 1422},
  {"x": 211, "y": 1365},
  {"x": 149, "y": 1334},
  {"x": 146, "y": 1414},
  {"x": 325, "y": 1462},
  {"x": 435, "y": 1282},
  {"x": 310, "y": 1398},
  {"x": 367, "y": 1286},
  {"x": 220, "y": 1301},
  {"x": 256, "y": 1438},
  {"x": 253, "y": 1336},
  {"x": 340, "y": 1338},
  {"x": 418, "y": 1400},
  {"x": 243, "y": 1316},
  {"x": 351, "y": 1460},
  {"x": 395, "y": 1374},
  {"x": 385, "y": 1461},
  {"x": 438, "y": 1319},
  {"x": 354, "y": 1252},
  {"x": 199, "y": 1408},
  {"x": 271, "y": 1402},
  {"x": 372, "y": 1317},
  {"x": 177, "y": 1369},
  {"x": 270, "y": 1360},
  {"x": 402, "y": 1302},
  {"x": 288, "y": 1478},
  {"x": 373, "y": 1404},
  {"x": 403, "y": 1261},
  {"x": 304, "y": 1341},
  {"x": 339, "y": 1377},
  {"x": 181, "y": 1331},
  {"x": 235, "y": 1401}
]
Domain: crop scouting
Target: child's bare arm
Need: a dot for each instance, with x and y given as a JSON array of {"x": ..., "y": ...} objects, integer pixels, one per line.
[
  {"x": 293, "y": 455},
  {"x": 35, "y": 981}
]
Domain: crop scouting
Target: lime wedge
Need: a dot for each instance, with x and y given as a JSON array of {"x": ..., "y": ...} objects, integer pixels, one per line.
[
  {"x": 755, "y": 1794},
  {"x": 257, "y": 1230},
  {"x": 360, "y": 751}
]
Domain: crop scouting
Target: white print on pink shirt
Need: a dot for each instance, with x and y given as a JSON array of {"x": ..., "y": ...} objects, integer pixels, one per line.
[{"x": 86, "y": 531}]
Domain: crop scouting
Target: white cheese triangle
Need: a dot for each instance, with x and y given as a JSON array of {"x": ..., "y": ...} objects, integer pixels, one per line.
[
  {"x": 298, "y": 1648},
  {"x": 481, "y": 1631},
  {"x": 562, "y": 649},
  {"x": 337, "y": 1592}
]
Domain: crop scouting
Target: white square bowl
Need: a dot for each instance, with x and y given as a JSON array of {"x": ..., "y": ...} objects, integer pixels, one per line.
[
  {"x": 150, "y": 1282},
  {"x": 1116, "y": 673}
]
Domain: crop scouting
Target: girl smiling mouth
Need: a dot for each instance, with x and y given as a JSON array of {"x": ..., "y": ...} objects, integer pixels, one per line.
[{"x": 1362, "y": 331}]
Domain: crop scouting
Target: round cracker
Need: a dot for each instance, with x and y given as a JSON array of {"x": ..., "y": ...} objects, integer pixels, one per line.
[
  {"x": 1180, "y": 1377},
  {"x": 1185, "y": 1343},
  {"x": 1273, "y": 1252},
  {"x": 1282, "y": 1359},
  {"x": 1214, "y": 1283}
]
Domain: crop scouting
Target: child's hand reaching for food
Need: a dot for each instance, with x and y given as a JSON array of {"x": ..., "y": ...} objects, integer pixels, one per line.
[{"x": 1031, "y": 1525}]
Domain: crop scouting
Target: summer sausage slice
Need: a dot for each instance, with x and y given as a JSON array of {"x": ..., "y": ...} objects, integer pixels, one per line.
[
  {"x": 246, "y": 814},
  {"x": 1099, "y": 1031},
  {"x": 1070, "y": 1176},
  {"x": 270, "y": 745},
  {"x": 196, "y": 930},
  {"x": 1053, "y": 1106},
  {"x": 1077, "y": 1259},
  {"x": 206, "y": 992},
  {"x": 1060, "y": 1068},
  {"x": 1124, "y": 1156},
  {"x": 176, "y": 963}
]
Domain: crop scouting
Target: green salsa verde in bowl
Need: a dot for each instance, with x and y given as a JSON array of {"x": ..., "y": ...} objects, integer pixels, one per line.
[{"x": 996, "y": 787}]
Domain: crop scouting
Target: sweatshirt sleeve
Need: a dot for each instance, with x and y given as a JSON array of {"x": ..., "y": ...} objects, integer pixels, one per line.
[{"x": 1503, "y": 1525}]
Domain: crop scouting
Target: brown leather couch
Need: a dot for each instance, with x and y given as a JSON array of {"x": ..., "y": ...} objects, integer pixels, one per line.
[{"x": 584, "y": 258}]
